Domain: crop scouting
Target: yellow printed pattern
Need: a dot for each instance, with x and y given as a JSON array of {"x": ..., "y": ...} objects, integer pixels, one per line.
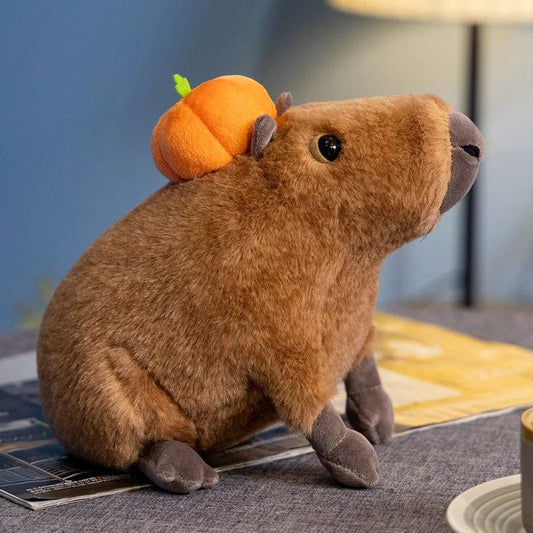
[{"x": 436, "y": 375}]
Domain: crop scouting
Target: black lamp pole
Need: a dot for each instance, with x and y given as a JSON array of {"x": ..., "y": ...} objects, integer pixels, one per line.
[{"x": 469, "y": 293}]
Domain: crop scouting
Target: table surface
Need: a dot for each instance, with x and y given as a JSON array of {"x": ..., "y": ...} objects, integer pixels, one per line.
[{"x": 421, "y": 472}]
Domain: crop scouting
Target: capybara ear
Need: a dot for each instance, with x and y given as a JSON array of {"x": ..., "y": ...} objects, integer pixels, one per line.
[
  {"x": 264, "y": 130},
  {"x": 283, "y": 103}
]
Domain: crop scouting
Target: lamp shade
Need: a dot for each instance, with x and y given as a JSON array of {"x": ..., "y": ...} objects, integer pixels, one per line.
[{"x": 473, "y": 11}]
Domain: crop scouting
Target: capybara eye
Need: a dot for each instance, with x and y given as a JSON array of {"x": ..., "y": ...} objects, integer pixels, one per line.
[{"x": 325, "y": 148}]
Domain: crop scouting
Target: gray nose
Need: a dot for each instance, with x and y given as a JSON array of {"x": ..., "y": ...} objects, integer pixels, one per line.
[{"x": 468, "y": 149}]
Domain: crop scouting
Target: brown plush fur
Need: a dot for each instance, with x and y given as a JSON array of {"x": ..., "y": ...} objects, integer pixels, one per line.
[{"x": 222, "y": 304}]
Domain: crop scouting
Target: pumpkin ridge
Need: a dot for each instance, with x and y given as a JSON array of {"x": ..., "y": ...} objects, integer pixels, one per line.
[
  {"x": 208, "y": 129},
  {"x": 194, "y": 163}
]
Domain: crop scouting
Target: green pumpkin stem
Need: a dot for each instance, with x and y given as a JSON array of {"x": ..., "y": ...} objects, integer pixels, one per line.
[{"x": 181, "y": 85}]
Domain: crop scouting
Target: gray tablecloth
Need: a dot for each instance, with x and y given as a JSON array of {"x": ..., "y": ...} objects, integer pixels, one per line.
[{"x": 421, "y": 473}]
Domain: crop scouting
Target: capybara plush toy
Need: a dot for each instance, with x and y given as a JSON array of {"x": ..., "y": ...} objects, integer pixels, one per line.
[{"x": 243, "y": 291}]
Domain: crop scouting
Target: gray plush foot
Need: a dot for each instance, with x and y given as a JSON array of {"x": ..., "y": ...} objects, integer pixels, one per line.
[
  {"x": 370, "y": 412},
  {"x": 353, "y": 462},
  {"x": 174, "y": 466},
  {"x": 368, "y": 406},
  {"x": 348, "y": 456}
]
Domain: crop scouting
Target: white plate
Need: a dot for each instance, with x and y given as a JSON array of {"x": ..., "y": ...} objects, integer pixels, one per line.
[{"x": 492, "y": 507}]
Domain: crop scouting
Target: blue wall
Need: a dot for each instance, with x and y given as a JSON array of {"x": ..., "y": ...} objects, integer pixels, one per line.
[{"x": 83, "y": 84}]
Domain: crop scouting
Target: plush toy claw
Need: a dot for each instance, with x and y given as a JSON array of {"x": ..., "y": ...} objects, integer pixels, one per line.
[{"x": 209, "y": 126}]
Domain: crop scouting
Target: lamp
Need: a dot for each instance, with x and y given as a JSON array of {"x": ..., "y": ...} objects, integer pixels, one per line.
[{"x": 473, "y": 12}]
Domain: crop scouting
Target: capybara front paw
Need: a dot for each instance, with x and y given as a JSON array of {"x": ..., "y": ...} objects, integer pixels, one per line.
[
  {"x": 353, "y": 462},
  {"x": 174, "y": 466},
  {"x": 371, "y": 413}
]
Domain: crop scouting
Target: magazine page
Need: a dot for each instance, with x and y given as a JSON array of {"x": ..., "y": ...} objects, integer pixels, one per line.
[
  {"x": 436, "y": 375},
  {"x": 35, "y": 470}
]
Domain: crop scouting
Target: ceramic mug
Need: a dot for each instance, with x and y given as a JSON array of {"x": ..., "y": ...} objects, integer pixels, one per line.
[{"x": 526, "y": 467}]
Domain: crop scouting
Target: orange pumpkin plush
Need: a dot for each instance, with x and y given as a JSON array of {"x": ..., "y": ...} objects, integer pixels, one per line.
[
  {"x": 210, "y": 126},
  {"x": 225, "y": 303}
]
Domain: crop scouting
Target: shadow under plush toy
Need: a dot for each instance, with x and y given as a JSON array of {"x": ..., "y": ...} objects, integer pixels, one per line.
[{"x": 241, "y": 297}]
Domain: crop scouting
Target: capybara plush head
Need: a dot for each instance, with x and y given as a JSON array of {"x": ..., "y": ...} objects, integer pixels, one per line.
[{"x": 241, "y": 297}]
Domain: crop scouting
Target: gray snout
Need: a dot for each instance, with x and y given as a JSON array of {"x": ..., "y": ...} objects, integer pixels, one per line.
[{"x": 467, "y": 151}]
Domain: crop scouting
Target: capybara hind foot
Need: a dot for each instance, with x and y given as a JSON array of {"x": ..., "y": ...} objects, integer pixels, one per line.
[
  {"x": 174, "y": 466},
  {"x": 346, "y": 454}
]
